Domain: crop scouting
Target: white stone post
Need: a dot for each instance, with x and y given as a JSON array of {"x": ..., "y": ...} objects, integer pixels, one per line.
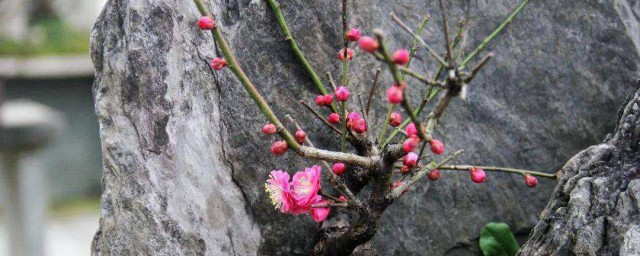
[{"x": 25, "y": 127}]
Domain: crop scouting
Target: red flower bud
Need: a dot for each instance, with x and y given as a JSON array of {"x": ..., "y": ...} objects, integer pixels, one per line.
[
  {"x": 405, "y": 169},
  {"x": 349, "y": 54},
  {"x": 411, "y": 130},
  {"x": 269, "y": 129},
  {"x": 368, "y": 44},
  {"x": 328, "y": 99},
  {"x": 339, "y": 168},
  {"x": 334, "y": 118},
  {"x": 279, "y": 147},
  {"x": 206, "y": 23},
  {"x": 395, "y": 119},
  {"x": 410, "y": 144},
  {"x": 342, "y": 93},
  {"x": 320, "y": 100},
  {"x": 218, "y": 63},
  {"x": 434, "y": 175},
  {"x": 353, "y": 35},
  {"x": 437, "y": 147},
  {"x": 530, "y": 180},
  {"x": 410, "y": 159},
  {"x": 400, "y": 57},
  {"x": 394, "y": 95},
  {"x": 477, "y": 175},
  {"x": 359, "y": 126},
  {"x": 300, "y": 136}
]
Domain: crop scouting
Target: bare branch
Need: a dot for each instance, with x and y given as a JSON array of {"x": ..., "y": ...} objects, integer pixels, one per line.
[
  {"x": 373, "y": 89},
  {"x": 477, "y": 69},
  {"x": 499, "y": 169},
  {"x": 317, "y": 115},
  {"x": 332, "y": 156},
  {"x": 445, "y": 25},
  {"x": 423, "y": 79}
]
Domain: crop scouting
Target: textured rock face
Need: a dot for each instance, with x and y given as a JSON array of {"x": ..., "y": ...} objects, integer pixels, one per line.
[
  {"x": 594, "y": 209},
  {"x": 185, "y": 163}
]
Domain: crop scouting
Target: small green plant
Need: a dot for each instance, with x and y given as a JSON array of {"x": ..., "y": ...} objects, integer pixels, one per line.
[
  {"x": 54, "y": 37},
  {"x": 496, "y": 239}
]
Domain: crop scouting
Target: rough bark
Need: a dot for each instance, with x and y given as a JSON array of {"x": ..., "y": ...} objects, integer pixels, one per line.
[
  {"x": 184, "y": 163},
  {"x": 594, "y": 209}
]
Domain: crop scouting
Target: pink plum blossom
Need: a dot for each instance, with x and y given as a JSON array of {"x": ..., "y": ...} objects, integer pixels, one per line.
[{"x": 306, "y": 185}]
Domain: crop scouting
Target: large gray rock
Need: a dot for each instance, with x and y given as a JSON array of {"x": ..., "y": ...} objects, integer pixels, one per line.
[
  {"x": 185, "y": 163},
  {"x": 594, "y": 208}
]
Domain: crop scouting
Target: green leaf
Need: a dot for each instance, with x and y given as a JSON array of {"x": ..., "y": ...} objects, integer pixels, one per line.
[{"x": 496, "y": 239}]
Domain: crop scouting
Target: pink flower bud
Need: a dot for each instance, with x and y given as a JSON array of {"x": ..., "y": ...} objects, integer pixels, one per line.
[
  {"x": 206, "y": 23},
  {"x": 218, "y": 63},
  {"x": 394, "y": 95},
  {"x": 405, "y": 169},
  {"x": 400, "y": 57},
  {"x": 320, "y": 100},
  {"x": 279, "y": 147},
  {"x": 349, "y": 54},
  {"x": 343, "y": 199},
  {"x": 411, "y": 130},
  {"x": 359, "y": 126},
  {"x": 300, "y": 136},
  {"x": 410, "y": 159},
  {"x": 334, "y": 118},
  {"x": 351, "y": 118},
  {"x": 437, "y": 147},
  {"x": 368, "y": 44},
  {"x": 477, "y": 175},
  {"x": 530, "y": 180},
  {"x": 328, "y": 99},
  {"x": 434, "y": 175},
  {"x": 395, "y": 119},
  {"x": 410, "y": 144},
  {"x": 353, "y": 35},
  {"x": 269, "y": 129},
  {"x": 339, "y": 168},
  {"x": 342, "y": 93}
]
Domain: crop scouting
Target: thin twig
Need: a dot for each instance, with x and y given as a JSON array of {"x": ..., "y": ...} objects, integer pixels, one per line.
[
  {"x": 332, "y": 83},
  {"x": 499, "y": 169},
  {"x": 373, "y": 89},
  {"x": 296, "y": 50},
  {"x": 419, "y": 38},
  {"x": 497, "y": 31},
  {"x": 423, "y": 79},
  {"x": 317, "y": 115},
  {"x": 329, "y": 204},
  {"x": 445, "y": 25},
  {"x": 415, "y": 45},
  {"x": 475, "y": 71}
]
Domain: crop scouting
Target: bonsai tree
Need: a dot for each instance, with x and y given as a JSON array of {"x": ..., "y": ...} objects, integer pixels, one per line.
[{"x": 392, "y": 161}]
